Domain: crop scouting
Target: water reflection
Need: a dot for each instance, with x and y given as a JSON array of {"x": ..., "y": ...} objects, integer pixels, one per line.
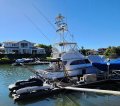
[{"x": 67, "y": 100}]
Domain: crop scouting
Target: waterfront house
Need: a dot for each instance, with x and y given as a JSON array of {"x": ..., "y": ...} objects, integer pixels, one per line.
[
  {"x": 92, "y": 52},
  {"x": 21, "y": 47}
]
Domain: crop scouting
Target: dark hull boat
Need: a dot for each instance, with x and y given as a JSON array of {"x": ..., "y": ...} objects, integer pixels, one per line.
[
  {"x": 26, "y": 83},
  {"x": 41, "y": 90},
  {"x": 30, "y": 88},
  {"x": 36, "y": 94}
]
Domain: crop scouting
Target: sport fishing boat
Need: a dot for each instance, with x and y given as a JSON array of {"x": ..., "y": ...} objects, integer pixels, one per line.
[{"x": 66, "y": 59}]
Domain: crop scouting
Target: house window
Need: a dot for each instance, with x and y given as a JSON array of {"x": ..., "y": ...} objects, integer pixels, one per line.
[
  {"x": 13, "y": 44},
  {"x": 23, "y": 45}
]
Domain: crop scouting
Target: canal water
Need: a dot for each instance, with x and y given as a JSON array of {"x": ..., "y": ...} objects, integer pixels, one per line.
[{"x": 9, "y": 74}]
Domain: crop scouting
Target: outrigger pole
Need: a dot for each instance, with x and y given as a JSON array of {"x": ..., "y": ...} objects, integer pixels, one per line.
[{"x": 93, "y": 90}]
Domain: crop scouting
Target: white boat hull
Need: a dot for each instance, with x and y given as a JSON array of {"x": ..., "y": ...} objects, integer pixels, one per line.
[{"x": 61, "y": 74}]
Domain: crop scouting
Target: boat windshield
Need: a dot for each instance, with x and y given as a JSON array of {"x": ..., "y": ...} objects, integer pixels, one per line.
[{"x": 77, "y": 62}]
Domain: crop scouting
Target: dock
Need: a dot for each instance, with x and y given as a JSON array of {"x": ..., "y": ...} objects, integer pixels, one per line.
[{"x": 103, "y": 87}]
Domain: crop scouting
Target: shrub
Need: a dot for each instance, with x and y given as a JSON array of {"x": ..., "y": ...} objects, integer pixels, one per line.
[{"x": 4, "y": 60}]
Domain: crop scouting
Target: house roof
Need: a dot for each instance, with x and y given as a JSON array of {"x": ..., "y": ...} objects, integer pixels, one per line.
[
  {"x": 10, "y": 42},
  {"x": 25, "y": 41},
  {"x": 18, "y": 41}
]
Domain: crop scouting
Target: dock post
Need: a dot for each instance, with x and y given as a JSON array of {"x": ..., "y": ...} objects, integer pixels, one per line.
[{"x": 108, "y": 69}]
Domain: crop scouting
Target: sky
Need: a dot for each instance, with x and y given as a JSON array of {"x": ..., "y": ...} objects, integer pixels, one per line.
[{"x": 94, "y": 23}]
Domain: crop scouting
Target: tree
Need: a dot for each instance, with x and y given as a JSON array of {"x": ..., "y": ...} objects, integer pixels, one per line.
[
  {"x": 117, "y": 50},
  {"x": 112, "y": 52},
  {"x": 48, "y": 49},
  {"x": 83, "y": 51}
]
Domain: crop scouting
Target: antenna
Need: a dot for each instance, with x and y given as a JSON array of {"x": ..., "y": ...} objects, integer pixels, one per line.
[{"x": 62, "y": 26}]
